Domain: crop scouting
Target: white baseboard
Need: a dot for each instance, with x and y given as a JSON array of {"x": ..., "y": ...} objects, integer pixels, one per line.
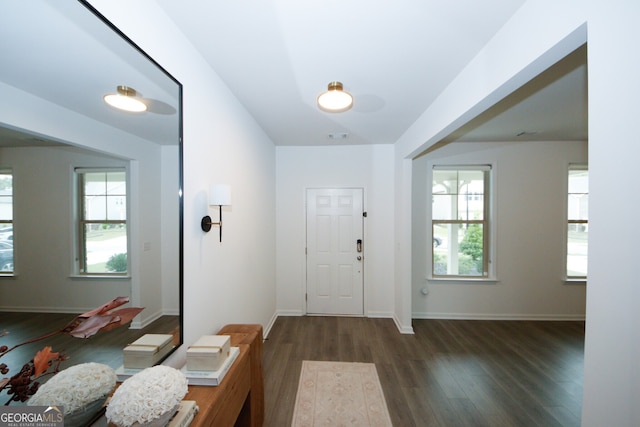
[
  {"x": 494, "y": 316},
  {"x": 380, "y": 314},
  {"x": 285, "y": 313},
  {"x": 62, "y": 310},
  {"x": 146, "y": 321},
  {"x": 267, "y": 328},
  {"x": 401, "y": 328},
  {"x": 135, "y": 324}
]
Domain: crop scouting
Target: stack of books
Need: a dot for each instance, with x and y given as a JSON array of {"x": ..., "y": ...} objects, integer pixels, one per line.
[
  {"x": 183, "y": 417},
  {"x": 211, "y": 378},
  {"x": 147, "y": 350},
  {"x": 143, "y": 353},
  {"x": 208, "y": 353}
]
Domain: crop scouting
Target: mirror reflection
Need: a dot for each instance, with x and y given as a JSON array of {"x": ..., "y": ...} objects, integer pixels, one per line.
[{"x": 90, "y": 205}]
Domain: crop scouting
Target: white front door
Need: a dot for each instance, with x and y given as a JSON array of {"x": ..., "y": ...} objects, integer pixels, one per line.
[{"x": 335, "y": 251}]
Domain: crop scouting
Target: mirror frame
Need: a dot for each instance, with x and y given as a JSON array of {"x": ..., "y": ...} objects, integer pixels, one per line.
[{"x": 124, "y": 37}]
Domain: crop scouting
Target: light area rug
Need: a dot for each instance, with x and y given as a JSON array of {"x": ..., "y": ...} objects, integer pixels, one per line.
[{"x": 339, "y": 394}]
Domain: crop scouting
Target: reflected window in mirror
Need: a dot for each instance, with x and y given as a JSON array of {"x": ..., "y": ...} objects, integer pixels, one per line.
[
  {"x": 102, "y": 221},
  {"x": 39, "y": 127},
  {"x": 6, "y": 221}
]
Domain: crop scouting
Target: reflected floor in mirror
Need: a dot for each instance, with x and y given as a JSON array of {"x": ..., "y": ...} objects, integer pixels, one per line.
[{"x": 104, "y": 347}]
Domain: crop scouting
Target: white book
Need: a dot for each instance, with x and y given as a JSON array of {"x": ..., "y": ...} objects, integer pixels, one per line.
[
  {"x": 211, "y": 378},
  {"x": 183, "y": 417},
  {"x": 147, "y": 350},
  {"x": 208, "y": 353}
]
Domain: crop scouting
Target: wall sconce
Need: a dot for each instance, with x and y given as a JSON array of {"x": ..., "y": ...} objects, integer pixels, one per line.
[{"x": 219, "y": 195}]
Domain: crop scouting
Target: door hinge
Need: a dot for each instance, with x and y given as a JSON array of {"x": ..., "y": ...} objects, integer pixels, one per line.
[
  {"x": 305, "y": 251},
  {"x": 364, "y": 214},
  {"x": 305, "y": 297}
]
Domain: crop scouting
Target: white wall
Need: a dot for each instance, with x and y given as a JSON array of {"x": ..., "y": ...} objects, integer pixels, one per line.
[
  {"x": 529, "y": 201},
  {"x": 169, "y": 218},
  {"x": 367, "y": 167},
  {"x": 232, "y": 281},
  {"x": 44, "y": 235},
  {"x": 143, "y": 159},
  {"x": 512, "y": 58},
  {"x": 540, "y": 33},
  {"x": 44, "y": 232},
  {"x": 218, "y": 131},
  {"x": 612, "y": 348}
]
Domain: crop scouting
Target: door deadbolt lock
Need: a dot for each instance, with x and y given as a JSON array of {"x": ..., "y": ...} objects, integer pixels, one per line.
[{"x": 359, "y": 258}]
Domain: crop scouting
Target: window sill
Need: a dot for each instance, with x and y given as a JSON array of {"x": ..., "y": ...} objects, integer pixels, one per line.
[
  {"x": 461, "y": 280},
  {"x": 98, "y": 277}
]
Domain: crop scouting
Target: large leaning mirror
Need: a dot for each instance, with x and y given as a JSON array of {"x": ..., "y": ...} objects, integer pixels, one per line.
[{"x": 90, "y": 196}]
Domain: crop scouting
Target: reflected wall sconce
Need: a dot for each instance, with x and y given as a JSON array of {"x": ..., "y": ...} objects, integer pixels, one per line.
[
  {"x": 219, "y": 195},
  {"x": 126, "y": 99}
]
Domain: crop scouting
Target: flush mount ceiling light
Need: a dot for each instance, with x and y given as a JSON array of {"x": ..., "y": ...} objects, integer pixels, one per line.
[
  {"x": 125, "y": 100},
  {"x": 335, "y": 100}
]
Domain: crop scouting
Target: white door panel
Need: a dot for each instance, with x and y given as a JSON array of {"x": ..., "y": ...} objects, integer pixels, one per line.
[{"x": 334, "y": 272}]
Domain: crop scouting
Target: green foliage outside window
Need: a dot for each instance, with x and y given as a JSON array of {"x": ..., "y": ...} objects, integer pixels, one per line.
[
  {"x": 472, "y": 245},
  {"x": 117, "y": 263}
]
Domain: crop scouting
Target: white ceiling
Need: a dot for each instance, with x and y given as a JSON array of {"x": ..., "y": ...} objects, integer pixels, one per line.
[
  {"x": 58, "y": 53},
  {"x": 277, "y": 56},
  {"x": 551, "y": 107},
  {"x": 395, "y": 57}
]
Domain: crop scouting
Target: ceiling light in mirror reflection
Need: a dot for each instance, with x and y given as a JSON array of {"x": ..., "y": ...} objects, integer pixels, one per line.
[{"x": 125, "y": 100}]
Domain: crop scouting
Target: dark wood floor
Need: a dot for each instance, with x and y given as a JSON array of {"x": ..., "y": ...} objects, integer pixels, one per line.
[{"x": 450, "y": 373}]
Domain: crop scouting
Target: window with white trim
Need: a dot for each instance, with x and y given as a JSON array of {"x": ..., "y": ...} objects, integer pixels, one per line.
[
  {"x": 460, "y": 221},
  {"x": 577, "y": 221},
  {"x": 6, "y": 222},
  {"x": 102, "y": 221}
]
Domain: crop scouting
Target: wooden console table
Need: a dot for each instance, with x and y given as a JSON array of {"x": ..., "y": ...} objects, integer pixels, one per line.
[{"x": 239, "y": 399}]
